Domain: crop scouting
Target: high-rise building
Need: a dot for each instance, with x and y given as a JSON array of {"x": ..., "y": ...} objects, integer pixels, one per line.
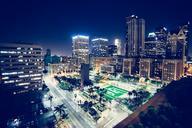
[
  {"x": 56, "y": 59},
  {"x": 177, "y": 44},
  {"x": 161, "y": 34},
  {"x": 48, "y": 52},
  {"x": 112, "y": 50},
  {"x": 99, "y": 47},
  {"x": 80, "y": 50},
  {"x": 135, "y": 36},
  {"x": 153, "y": 47},
  {"x": 84, "y": 73},
  {"x": 47, "y": 57},
  {"x": 21, "y": 66},
  {"x": 118, "y": 43}
]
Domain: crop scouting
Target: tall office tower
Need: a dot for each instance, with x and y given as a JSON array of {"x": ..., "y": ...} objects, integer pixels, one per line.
[
  {"x": 47, "y": 57},
  {"x": 84, "y": 73},
  {"x": 135, "y": 36},
  {"x": 153, "y": 47},
  {"x": 118, "y": 43},
  {"x": 161, "y": 34},
  {"x": 177, "y": 43},
  {"x": 80, "y": 50},
  {"x": 172, "y": 69},
  {"x": 21, "y": 66},
  {"x": 48, "y": 52},
  {"x": 112, "y": 50},
  {"x": 99, "y": 47}
]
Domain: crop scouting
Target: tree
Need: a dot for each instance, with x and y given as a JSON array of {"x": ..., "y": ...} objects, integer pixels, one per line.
[
  {"x": 90, "y": 90},
  {"x": 60, "y": 109},
  {"x": 50, "y": 98},
  {"x": 134, "y": 92},
  {"x": 129, "y": 94},
  {"x": 101, "y": 93}
]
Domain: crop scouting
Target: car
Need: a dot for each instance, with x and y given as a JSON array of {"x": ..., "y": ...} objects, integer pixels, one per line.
[
  {"x": 96, "y": 117},
  {"x": 92, "y": 112},
  {"x": 101, "y": 108}
]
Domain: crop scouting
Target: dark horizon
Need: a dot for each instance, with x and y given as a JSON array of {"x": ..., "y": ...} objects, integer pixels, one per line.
[{"x": 52, "y": 24}]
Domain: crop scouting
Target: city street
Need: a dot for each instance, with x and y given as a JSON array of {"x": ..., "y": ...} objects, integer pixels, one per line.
[{"x": 77, "y": 116}]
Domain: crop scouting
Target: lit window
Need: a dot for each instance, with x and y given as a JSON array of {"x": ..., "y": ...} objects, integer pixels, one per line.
[
  {"x": 10, "y": 73},
  {"x": 10, "y": 52},
  {"x": 5, "y": 78},
  {"x": 20, "y": 60},
  {"x": 23, "y": 76},
  {"x": 10, "y": 81},
  {"x": 20, "y": 57},
  {"x": 20, "y": 84},
  {"x": 35, "y": 75},
  {"x": 20, "y": 72},
  {"x": 36, "y": 78}
]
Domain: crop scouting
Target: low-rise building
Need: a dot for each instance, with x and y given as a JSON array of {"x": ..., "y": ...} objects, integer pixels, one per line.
[
  {"x": 172, "y": 70},
  {"x": 99, "y": 61},
  {"x": 110, "y": 69},
  {"x": 131, "y": 66},
  {"x": 145, "y": 68}
]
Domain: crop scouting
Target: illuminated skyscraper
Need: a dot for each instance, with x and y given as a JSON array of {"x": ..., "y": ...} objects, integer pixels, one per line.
[
  {"x": 80, "y": 50},
  {"x": 118, "y": 43},
  {"x": 135, "y": 36},
  {"x": 154, "y": 47},
  {"x": 21, "y": 66},
  {"x": 99, "y": 47},
  {"x": 112, "y": 50},
  {"x": 177, "y": 43}
]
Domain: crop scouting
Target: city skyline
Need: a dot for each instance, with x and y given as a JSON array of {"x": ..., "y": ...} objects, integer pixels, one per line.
[
  {"x": 54, "y": 25},
  {"x": 95, "y": 64}
]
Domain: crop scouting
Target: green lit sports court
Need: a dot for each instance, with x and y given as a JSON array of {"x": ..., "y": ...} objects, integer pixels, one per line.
[{"x": 114, "y": 92}]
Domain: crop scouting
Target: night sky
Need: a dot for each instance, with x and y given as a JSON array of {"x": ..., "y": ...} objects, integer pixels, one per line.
[{"x": 52, "y": 23}]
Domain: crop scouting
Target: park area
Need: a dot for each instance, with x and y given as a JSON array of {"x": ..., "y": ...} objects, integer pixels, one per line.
[{"x": 114, "y": 92}]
